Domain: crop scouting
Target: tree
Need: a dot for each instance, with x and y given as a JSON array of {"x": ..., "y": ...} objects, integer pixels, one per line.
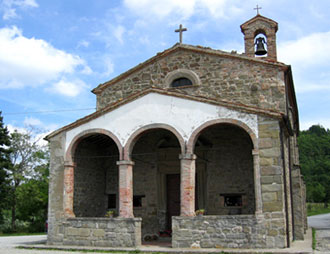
[
  {"x": 25, "y": 157},
  {"x": 32, "y": 198},
  {"x": 314, "y": 150},
  {"x": 4, "y": 164}
]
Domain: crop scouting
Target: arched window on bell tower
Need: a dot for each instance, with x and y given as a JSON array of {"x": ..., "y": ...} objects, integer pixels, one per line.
[{"x": 260, "y": 43}]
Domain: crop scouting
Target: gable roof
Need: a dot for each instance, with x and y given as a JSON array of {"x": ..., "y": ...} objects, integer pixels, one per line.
[
  {"x": 113, "y": 106},
  {"x": 185, "y": 47},
  {"x": 257, "y": 18}
]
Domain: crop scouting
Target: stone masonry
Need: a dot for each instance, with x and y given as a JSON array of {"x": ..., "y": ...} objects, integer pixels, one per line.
[
  {"x": 101, "y": 232},
  {"x": 228, "y": 141},
  {"x": 230, "y": 79},
  {"x": 240, "y": 231}
]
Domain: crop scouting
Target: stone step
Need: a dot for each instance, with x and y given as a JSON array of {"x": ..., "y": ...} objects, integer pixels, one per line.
[{"x": 162, "y": 250}]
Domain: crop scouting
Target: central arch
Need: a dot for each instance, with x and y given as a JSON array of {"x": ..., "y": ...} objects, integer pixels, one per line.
[
  {"x": 135, "y": 136},
  {"x": 155, "y": 151}
]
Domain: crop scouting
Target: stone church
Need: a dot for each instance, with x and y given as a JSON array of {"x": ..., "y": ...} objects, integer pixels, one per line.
[{"x": 189, "y": 131}]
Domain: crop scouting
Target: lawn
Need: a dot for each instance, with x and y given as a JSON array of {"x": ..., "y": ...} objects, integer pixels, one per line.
[
  {"x": 316, "y": 208},
  {"x": 20, "y": 234}
]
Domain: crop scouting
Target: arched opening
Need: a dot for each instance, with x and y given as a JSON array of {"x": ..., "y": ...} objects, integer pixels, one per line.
[
  {"x": 224, "y": 171},
  {"x": 156, "y": 181},
  {"x": 179, "y": 82},
  {"x": 260, "y": 43},
  {"x": 95, "y": 176}
]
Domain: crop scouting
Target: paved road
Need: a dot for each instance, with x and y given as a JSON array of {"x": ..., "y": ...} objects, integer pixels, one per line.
[
  {"x": 8, "y": 244},
  {"x": 319, "y": 221}
]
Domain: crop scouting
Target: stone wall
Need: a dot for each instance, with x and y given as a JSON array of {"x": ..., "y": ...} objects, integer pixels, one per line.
[
  {"x": 298, "y": 205},
  {"x": 323, "y": 240},
  {"x": 229, "y": 79},
  {"x": 239, "y": 231},
  {"x": 271, "y": 167},
  {"x": 55, "y": 201},
  {"x": 102, "y": 232}
]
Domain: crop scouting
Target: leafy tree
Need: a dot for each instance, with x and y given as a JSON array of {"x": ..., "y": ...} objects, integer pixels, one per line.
[
  {"x": 32, "y": 196},
  {"x": 314, "y": 150},
  {"x": 25, "y": 157},
  {"x": 4, "y": 164}
]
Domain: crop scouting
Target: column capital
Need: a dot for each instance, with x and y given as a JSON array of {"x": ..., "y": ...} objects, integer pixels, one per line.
[
  {"x": 125, "y": 162},
  {"x": 187, "y": 156},
  {"x": 69, "y": 164}
]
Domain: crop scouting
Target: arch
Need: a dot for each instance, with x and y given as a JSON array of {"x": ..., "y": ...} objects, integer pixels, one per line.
[
  {"x": 260, "y": 31},
  {"x": 75, "y": 141},
  {"x": 181, "y": 73},
  {"x": 179, "y": 82},
  {"x": 194, "y": 136},
  {"x": 138, "y": 133}
]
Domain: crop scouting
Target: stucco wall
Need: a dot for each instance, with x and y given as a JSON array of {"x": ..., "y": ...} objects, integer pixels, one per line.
[{"x": 182, "y": 114}]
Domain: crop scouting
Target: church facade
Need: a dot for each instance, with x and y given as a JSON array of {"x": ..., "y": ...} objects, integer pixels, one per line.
[{"x": 195, "y": 144}]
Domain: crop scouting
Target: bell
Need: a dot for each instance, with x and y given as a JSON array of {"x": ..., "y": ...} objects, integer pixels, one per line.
[{"x": 260, "y": 51}]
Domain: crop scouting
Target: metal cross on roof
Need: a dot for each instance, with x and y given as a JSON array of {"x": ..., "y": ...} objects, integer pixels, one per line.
[
  {"x": 180, "y": 30},
  {"x": 257, "y": 8}
]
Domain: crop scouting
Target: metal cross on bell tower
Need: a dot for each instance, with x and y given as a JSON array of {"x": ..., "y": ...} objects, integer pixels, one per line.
[
  {"x": 257, "y": 8},
  {"x": 180, "y": 30}
]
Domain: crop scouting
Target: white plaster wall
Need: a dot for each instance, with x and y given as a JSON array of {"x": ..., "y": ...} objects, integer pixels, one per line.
[{"x": 183, "y": 115}]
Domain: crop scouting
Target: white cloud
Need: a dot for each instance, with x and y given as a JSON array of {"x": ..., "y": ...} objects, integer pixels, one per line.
[
  {"x": 83, "y": 43},
  {"x": 118, "y": 33},
  {"x": 108, "y": 65},
  {"x": 307, "y": 51},
  {"x": 309, "y": 57},
  {"x": 9, "y": 7},
  {"x": 34, "y": 124},
  {"x": 31, "y": 121},
  {"x": 68, "y": 88},
  {"x": 305, "y": 125},
  {"x": 37, "y": 131},
  {"x": 161, "y": 9},
  {"x": 12, "y": 128},
  {"x": 184, "y": 8},
  {"x": 32, "y": 62},
  {"x": 144, "y": 40}
]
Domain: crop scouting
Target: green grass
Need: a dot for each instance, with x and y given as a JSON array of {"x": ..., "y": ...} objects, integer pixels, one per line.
[
  {"x": 313, "y": 238},
  {"x": 20, "y": 234},
  {"x": 316, "y": 208}
]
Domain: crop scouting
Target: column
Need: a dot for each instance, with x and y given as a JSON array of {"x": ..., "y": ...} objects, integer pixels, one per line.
[
  {"x": 257, "y": 181},
  {"x": 187, "y": 186},
  {"x": 125, "y": 188},
  {"x": 68, "y": 190}
]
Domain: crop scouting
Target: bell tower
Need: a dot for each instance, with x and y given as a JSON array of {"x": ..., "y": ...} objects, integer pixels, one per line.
[{"x": 260, "y": 37}]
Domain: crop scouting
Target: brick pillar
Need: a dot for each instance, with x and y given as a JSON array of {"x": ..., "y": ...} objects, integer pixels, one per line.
[
  {"x": 68, "y": 190},
  {"x": 125, "y": 188},
  {"x": 187, "y": 186},
  {"x": 257, "y": 181}
]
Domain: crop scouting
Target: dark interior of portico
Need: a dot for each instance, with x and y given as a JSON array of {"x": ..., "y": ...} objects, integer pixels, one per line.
[
  {"x": 95, "y": 176},
  {"x": 224, "y": 166}
]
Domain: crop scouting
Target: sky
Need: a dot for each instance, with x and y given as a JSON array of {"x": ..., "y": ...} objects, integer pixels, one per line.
[{"x": 53, "y": 53}]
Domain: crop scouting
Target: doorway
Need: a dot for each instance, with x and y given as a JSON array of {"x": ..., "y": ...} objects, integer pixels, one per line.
[{"x": 172, "y": 197}]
